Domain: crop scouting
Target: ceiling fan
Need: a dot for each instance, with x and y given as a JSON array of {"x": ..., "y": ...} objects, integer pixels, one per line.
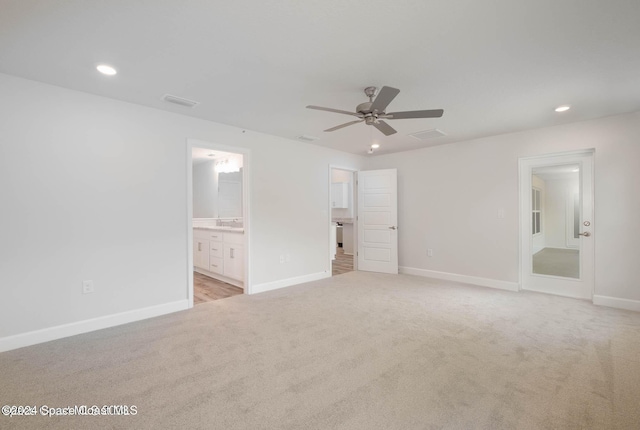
[{"x": 373, "y": 111}]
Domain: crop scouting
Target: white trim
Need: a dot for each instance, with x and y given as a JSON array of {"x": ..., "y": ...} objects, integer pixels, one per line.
[
  {"x": 189, "y": 222},
  {"x": 246, "y": 210},
  {"x": 58, "y": 332},
  {"x": 615, "y": 302},
  {"x": 282, "y": 283},
  {"x": 465, "y": 279}
]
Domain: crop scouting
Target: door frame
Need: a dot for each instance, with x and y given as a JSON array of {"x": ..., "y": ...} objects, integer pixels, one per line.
[
  {"x": 246, "y": 212},
  {"x": 525, "y": 166},
  {"x": 354, "y": 193}
]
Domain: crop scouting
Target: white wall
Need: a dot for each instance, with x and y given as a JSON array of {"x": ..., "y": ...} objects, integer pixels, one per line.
[
  {"x": 449, "y": 196},
  {"x": 205, "y": 190},
  {"x": 94, "y": 188}
]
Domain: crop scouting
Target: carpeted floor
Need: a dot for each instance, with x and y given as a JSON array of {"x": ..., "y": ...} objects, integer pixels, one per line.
[{"x": 355, "y": 351}]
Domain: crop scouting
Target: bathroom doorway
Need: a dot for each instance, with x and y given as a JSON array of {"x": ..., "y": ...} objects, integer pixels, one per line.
[
  {"x": 218, "y": 224},
  {"x": 343, "y": 243}
]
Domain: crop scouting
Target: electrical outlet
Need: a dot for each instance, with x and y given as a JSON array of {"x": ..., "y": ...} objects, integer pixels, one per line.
[
  {"x": 501, "y": 213},
  {"x": 87, "y": 287},
  {"x": 429, "y": 252},
  {"x": 282, "y": 259}
]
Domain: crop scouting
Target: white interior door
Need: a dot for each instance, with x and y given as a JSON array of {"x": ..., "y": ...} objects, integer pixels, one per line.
[
  {"x": 378, "y": 221},
  {"x": 553, "y": 261}
]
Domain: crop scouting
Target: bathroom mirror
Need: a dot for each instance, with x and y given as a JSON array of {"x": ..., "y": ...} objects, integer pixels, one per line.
[
  {"x": 230, "y": 195},
  {"x": 217, "y": 184}
]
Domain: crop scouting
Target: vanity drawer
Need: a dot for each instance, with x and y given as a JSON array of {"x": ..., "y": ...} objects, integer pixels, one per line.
[
  {"x": 215, "y": 235},
  {"x": 217, "y": 249},
  {"x": 216, "y": 265}
]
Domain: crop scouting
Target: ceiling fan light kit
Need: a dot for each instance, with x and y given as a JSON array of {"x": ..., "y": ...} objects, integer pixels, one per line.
[{"x": 373, "y": 111}]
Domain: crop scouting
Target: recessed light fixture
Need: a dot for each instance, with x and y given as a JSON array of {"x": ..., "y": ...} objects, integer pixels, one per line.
[
  {"x": 375, "y": 146},
  {"x": 106, "y": 69},
  {"x": 563, "y": 108}
]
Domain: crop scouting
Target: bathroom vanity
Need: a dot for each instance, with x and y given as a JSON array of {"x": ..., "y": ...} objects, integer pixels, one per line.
[{"x": 218, "y": 252}]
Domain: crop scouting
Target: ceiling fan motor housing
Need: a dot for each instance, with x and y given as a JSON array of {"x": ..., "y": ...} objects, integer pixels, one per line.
[
  {"x": 364, "y": 108},
  {"x": 370, "y": 112}
]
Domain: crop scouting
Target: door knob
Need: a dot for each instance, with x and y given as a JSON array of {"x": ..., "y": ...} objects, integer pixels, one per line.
[
  {"x": 585, "y": 234},
  {"x": 393, "y": 227}
]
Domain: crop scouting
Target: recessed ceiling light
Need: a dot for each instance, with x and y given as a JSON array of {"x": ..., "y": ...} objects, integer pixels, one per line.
[
  {"x": 375, "y": 146},
  {"x": 563, "y": 108},
  {"x": 106, "y": 70}
]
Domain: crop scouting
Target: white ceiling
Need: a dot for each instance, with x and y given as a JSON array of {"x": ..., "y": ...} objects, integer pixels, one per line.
[{"x": 494, "y": 66}]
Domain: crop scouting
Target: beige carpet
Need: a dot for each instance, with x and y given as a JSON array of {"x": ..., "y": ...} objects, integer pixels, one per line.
[{"x": 355, "y": 351}]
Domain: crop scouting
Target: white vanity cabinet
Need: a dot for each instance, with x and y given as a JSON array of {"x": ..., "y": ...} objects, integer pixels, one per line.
[
  {"x": 339, "y": 195},
  {"x": 216, "y": 253},
  {"x": 200, "y": 249},
  {"x": 234, "y": 256},
  {"x": 219, "y": 254}
]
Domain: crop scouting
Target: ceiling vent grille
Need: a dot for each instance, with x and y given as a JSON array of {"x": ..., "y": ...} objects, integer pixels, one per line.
[
  {"x": 307, "y": 138},
  {"x": 428, "y": 134},
  {"x": 179, "y": 101}
]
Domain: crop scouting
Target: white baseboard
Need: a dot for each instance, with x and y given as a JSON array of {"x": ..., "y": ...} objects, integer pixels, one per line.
[
  {"x": 615, "y": 302},
  {"x": 58, "y": 332},
  {"x": 445, "y": 276},
  {"x": 268, "y": 286}
]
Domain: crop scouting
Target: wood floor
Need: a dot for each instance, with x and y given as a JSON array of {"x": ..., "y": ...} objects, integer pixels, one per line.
[
  {"x": 206, "y": 289},
  {"x": 342, "y": 264}
]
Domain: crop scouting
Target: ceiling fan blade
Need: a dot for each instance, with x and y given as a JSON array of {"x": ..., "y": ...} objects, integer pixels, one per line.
[
  {"x": 383, "y": 98},
  {"x": 333, "y": 110},
  {"x": 338, "y": 127},
  {"x": 434, "y": 113},
  {"x": 385, "y": 128}
]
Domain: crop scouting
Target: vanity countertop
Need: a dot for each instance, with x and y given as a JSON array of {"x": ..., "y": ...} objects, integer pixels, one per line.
[
  {"x": 343, "y": 220},
  {"x": 221, "y": 228}
]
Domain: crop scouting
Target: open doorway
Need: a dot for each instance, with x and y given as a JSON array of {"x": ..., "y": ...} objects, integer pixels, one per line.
[
  {"x": 343, "y": 219},
  {"x": 217, "y": 222}
]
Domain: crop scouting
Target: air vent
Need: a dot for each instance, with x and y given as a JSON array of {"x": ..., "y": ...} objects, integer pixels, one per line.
[
  {"x": 427, "y": 134},
  {"x": 307, "y": 138},
  {"x": 179, "y": 101}
]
